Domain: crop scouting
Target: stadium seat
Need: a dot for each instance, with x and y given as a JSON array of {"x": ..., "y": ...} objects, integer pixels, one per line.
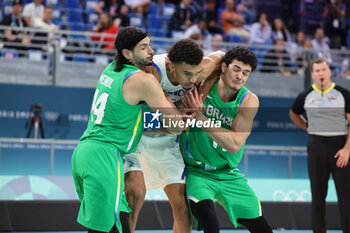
[
  {"x": 168, "y": 9},
  {"x": 90, "y": 4},
  {"x": 101, "y": 59},
  {"x": 77, "y": 26},
  {"x": 92, "y": 17},
  {"x": 234, "y": 39},
  {"x": 53, "y": 3},
  {"x": 157, "y": 32},
  {"x": 9, "y": 53},
  {"x": 77, "y": 38},
  {"x": 56, "y": 16},
  {"x": 73, "y": 4},
  {"x": 220, "y": 10},
  {"x": 6, "y": 9},
  {"x": 136, "y": 20},
  {"x": 153, "y": 9},
  {"x": 27, "y": 1},
  {"x": 35, "y": 55},
  {"x": 155, "y": 21},
  {"x": 74, "y": 16},
  {"x": 178, "y": 35},
  {"x": 80, "y": 57}
]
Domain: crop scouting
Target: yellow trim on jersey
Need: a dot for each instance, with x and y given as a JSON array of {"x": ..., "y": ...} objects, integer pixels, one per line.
[
  {"x": 139, "y": 117},
  {"x": 260, "y": 209},
  {"x": 118, "y": 191},
  {"x": 323, "y": 92}
]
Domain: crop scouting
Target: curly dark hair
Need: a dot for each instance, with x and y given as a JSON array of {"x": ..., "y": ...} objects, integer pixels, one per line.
[
  {"x": 127, "y": 38},
  {"x": 186, "y": 50},
  {"x": 242, "y": 54}
]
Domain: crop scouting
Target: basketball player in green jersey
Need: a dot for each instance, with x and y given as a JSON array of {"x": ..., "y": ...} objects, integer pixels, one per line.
[
  {"x": 212, "y": 155},
  {"x": 114, "y": 129}
]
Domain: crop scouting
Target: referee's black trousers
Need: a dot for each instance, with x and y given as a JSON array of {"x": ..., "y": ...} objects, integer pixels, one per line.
[{"x": 321, "y": 163}]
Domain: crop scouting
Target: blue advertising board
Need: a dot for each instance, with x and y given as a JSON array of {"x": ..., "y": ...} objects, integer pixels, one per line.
[{"x": 65, "y": 113}]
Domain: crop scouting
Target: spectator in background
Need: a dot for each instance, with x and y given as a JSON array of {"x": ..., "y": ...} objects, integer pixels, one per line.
[
  {"x": 319, "y": 43},
  {"x": 216, "y": 42},
  {"x": 345, "y": 68},
  {"x": 110, "y": 6},
  {"x": 308, "y": 44},
  {"x": 183, "y": 17},
  {"x": 260, "y": 32},
  {"x": 277, "y": 60},
  {"x": 108, "y": 30},
  {"x": 309, "y": 52},
  {"x": 140, "y": 7},
  {"x": 248, "y": 15},
  {"x": 300, "y": 39},
  {"x": 303, "y": 56},
  {"x": 15, "y": 20},
  {"x": 232, "y": 21},
  {"x": 46, "y": 24},
  {"x": 211, "y": 16},
  {"x": 33, "y": 10},
  {"x": 279, "y": 31},
  {"x": 200, "y": 27},
  {"x": 335, "y": 27},
  {"x": 296, "y": 48},
  {"x": 198, "y": 38},
  {"x": 200, "y": 33},
  {"x": 122, "y": 18}
]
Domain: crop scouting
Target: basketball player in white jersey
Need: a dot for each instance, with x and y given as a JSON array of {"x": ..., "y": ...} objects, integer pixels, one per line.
[{"x": 157, "y": 163}]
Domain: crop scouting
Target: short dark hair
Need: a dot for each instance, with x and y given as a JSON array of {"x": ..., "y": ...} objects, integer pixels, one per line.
[
  {"x": 186, "y": 50},
  {"x": 48, "y": 7},
  {"x": 127, "y": 38},
  {"x": 242, "y": 54},
  {"x": 318, "y": 61},
  {"x": 15, "y": 2}
]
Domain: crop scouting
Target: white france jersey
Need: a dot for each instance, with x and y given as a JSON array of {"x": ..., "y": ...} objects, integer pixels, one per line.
[{"x": 175, "y": 92}]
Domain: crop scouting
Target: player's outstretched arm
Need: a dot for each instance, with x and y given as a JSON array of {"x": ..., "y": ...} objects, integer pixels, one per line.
[
  {"x": 230, "y": 139},
  {"x": 144, "y": 87}
]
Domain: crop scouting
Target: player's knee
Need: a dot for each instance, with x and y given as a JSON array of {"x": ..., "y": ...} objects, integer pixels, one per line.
[
  {"x": 136, "y": 197},
  {"x": 181, "y": 211},
  {"x": 180, "y": 205},
  {"x": 139, "y": 194}
]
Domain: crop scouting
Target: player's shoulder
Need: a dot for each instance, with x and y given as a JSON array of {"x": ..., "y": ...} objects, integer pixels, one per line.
[
  {"x": 218, "y": 54},
  {"x": 143, "y": 80},
  {"x": 154, "y": 71},
  {"x": 142, "y": 76},
  {"x": 251, "y": 100}
]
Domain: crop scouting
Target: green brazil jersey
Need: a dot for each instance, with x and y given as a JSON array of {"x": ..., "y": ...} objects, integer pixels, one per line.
[
  {"x": 201, "y": 153},
  {"x": 112, "y": 119}
]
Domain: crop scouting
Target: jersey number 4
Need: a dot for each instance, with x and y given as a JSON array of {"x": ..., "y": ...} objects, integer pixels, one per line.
[{"x": 98, "y": 106}]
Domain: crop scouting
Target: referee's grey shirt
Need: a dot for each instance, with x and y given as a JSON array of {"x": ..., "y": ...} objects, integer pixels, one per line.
[{"x": 325, "y": 111}]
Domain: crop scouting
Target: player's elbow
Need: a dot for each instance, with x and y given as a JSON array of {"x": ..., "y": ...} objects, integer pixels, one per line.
[
  {"x": 235, "y": 146},
  {"x": 233, "y": 149}
]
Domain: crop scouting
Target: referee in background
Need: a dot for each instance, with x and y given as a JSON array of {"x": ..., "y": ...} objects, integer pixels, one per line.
[{"x": 327, "y": 108}]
